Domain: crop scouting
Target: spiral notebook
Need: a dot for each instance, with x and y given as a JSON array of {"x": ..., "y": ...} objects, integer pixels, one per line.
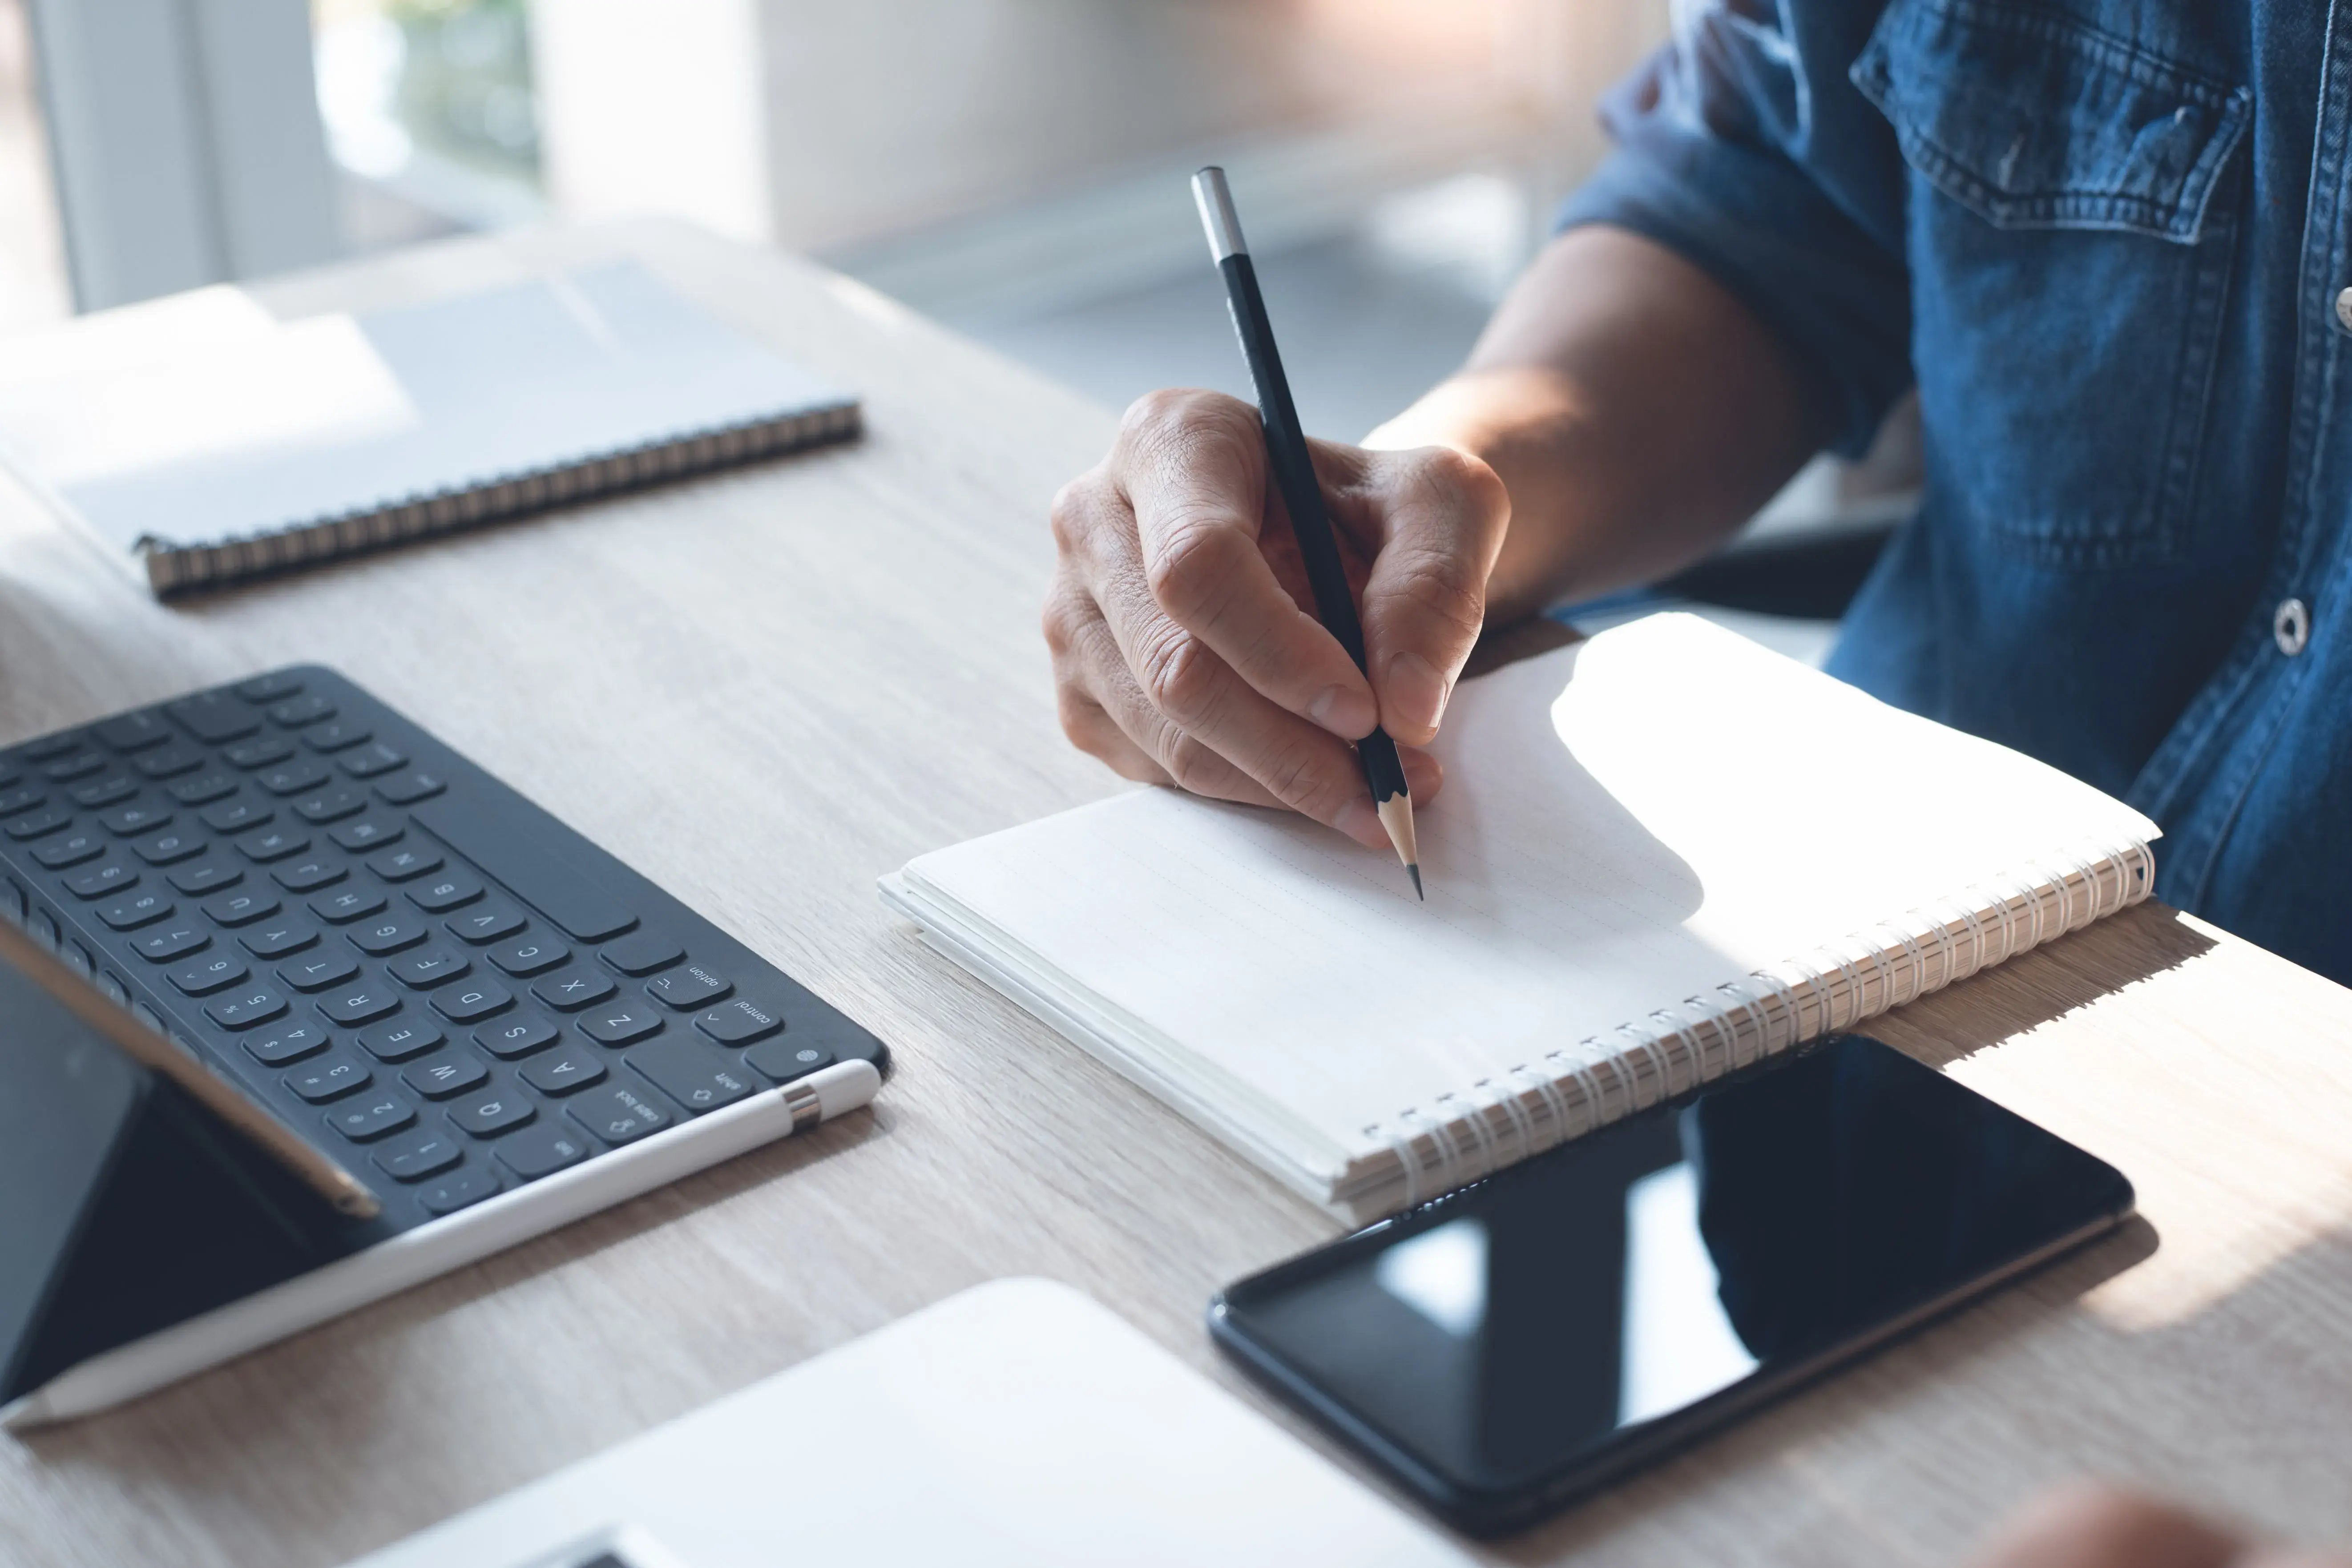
[
  {"x": 205, "y": 441},
  {"x": 1660, "y": 855}
]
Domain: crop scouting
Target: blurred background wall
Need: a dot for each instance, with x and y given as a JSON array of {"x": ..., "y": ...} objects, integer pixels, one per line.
[{"x": 1015, "y": 166}]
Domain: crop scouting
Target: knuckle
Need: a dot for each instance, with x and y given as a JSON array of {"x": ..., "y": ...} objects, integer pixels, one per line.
[
  {"x": 1191, "y": 570},
  {"x": 1073, "y": 505},
  {"x": 1439, "y": 588},
  {"x": 1177, "y": 675},
  {"x": 1194, "y": 765}
]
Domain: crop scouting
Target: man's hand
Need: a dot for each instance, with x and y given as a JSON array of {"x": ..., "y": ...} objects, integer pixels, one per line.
[{"x": 1185, "y": 647}]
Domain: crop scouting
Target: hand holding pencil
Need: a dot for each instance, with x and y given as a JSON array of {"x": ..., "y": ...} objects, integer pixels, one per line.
[{"x": 1186, "y": 644}]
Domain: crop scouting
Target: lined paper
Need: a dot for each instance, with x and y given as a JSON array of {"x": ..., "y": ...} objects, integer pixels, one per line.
[{"x": 1626, "y": 822}]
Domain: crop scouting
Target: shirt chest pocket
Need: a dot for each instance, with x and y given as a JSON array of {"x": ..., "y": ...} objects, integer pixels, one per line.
[{"x": 2070, "y": 247}]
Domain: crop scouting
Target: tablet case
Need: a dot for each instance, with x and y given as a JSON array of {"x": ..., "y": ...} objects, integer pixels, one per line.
[{"x": 124, "y": 1206}]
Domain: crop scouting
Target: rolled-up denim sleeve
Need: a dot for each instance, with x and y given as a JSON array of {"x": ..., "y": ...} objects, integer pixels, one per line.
[{"x": 1742, "y": 146}]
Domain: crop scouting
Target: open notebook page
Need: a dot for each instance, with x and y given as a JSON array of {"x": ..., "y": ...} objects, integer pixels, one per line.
[{"x": 1625, "y": 823}]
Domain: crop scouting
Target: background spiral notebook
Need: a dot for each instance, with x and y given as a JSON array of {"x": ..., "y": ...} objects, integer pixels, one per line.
[
  {"x": 1660, "y": 855},
  {"x": 207, "y": 441}
]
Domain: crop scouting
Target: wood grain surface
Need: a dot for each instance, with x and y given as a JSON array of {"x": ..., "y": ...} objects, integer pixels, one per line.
[{"x": 767, "y": 687}]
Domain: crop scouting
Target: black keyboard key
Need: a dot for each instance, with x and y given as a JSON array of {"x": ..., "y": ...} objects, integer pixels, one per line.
[
  {"x": 408, "y": 860},
  {"x": 361, "y": 1004},
  {"x": 472, "y": 1002},
  {"x": 48, "y": 746},
  {"x": 293, "y": 777},
  {"x": 445, "y": 892},
  {"x": 487, "y": 921},
  {"x": 135, "y": 910},
  {"x": 317, "y": 971},
  {"x": 278, "y": 938},
  {"x": 433, "y": 966},
  {"x": 328, "y": 1078},
  {"x": 71, "y": 849},
  {"x": 642, "y": 952},
  {"x": 348, "y": 904},
  {"x": 236, "y": 816},
  {"x": 541, "y": 1151},
  {"x": 204, "y": 876},
  {"x": 135, "y": 731},
  {"x": 620, "y": 1024},
  {"x": 214, "y": 718},
  {"x": 169, "y": 762},
  {"x": 203, "y": 976},
  {"x": 97, "y": 793},
  {"x": 413, "y": 1156},
  {"x": 566, "y": 1071},
  {"x": 689, "y": 986},
  {"x": 308, "y": 875},
  {"x": 697, "y": 1076},
  {"x": 251, "y": 1006},
  {"x": 444, "y": 1073},
  {"x": 740, "y": 1022},
  {"x": 509, "y": 841},
  {"x": 335, "y": 735},
  {"x": 372, "y": 759},
  {"x": 297, "y": 712},
  {"x": 272, "y": 842},
  {"x": 331, "y": 805},
  {"x": 97, "y": 880},
  {"x": 408, "y": 788},
  {"x": 571, "y": 991},
  {"x": 259, "y": 751},
  {"x": 21, "y": 799},
  {"x": 785, "y": 1060},
  {"x": 463, "y": 1189},
  {"x": 136, "y": 817},
  {"x": 8, "y": 775},
  {"x": 382, "y": 938},
  {"x": 491, "y": 1113},
  {"x": 32, "y": 825},
  {"x": 242, "y": 908},
  {"x": 80, "y": 765},
  {"x": 290, "y": 1044},
  {"x": 168, "y": 848},
  {"x": 203, "y": 788},
  {"x": 172, "y": 942},
  {"x": 530, "y": 955},
  {"x": 370, "y": 1117},
  {"x": 617, "y": 1113},
  {"x": 516, "y": 1037},
  {"x": 270, "y": 688},
  {"x": 402, "y": 1039},
  {"x": 367, "y": 833}
]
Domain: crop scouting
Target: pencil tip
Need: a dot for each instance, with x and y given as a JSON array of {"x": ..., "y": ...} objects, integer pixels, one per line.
[{"x": 1414, "y": 872}]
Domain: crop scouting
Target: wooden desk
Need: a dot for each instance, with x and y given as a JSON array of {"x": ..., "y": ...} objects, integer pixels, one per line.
[{"x": 765, "y": 689}]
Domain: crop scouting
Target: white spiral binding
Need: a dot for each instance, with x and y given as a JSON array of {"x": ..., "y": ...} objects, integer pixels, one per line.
[{"x": 1462, "y": 1143}]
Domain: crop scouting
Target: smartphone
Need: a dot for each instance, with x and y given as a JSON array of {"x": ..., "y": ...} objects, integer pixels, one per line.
[{"x": 1511, "y": 1346}]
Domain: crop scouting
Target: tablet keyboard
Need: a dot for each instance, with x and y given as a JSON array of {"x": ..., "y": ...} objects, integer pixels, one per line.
[{"x": 417, "y": 969}]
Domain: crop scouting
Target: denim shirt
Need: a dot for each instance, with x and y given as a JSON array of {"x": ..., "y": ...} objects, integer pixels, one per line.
[{"x": 2108, "y": 241}]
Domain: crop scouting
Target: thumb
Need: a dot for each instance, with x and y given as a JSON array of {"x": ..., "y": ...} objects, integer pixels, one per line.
[{"x": 1443, "y": 516}]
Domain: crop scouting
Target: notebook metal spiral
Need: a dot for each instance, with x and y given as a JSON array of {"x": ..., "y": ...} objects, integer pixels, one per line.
[
  {"x": 183, "y": 568},
  {"x": 1424, "y": 1153}
]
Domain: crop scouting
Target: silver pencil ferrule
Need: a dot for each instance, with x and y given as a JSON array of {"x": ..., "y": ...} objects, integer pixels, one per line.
[{"x": 1217, "y": 215}]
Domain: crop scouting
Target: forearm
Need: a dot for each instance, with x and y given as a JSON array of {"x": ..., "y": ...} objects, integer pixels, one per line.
[{"x": 1636, "y": 412}]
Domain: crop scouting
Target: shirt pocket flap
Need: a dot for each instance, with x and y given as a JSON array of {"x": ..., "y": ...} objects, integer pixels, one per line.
[{"x": 2036, "y": 121}]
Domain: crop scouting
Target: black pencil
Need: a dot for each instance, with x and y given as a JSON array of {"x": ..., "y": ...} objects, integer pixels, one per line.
[{"x": 1294, "y": 476}]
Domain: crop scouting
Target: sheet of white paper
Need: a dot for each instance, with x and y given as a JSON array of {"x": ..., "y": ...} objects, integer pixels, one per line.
[{"x": 1624, "y": 823}]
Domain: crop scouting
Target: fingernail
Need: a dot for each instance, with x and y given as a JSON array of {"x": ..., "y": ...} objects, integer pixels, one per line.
[
  {"x": 1347, "y": 713},
  {"x": 1417, "y": 690},
  {"x": 1360, "y": 822}
]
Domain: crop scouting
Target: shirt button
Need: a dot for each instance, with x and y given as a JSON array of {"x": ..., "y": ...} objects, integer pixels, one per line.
[
  {"x": 2290, "y": 624},
  {"x": 2343, "y": 308}
]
